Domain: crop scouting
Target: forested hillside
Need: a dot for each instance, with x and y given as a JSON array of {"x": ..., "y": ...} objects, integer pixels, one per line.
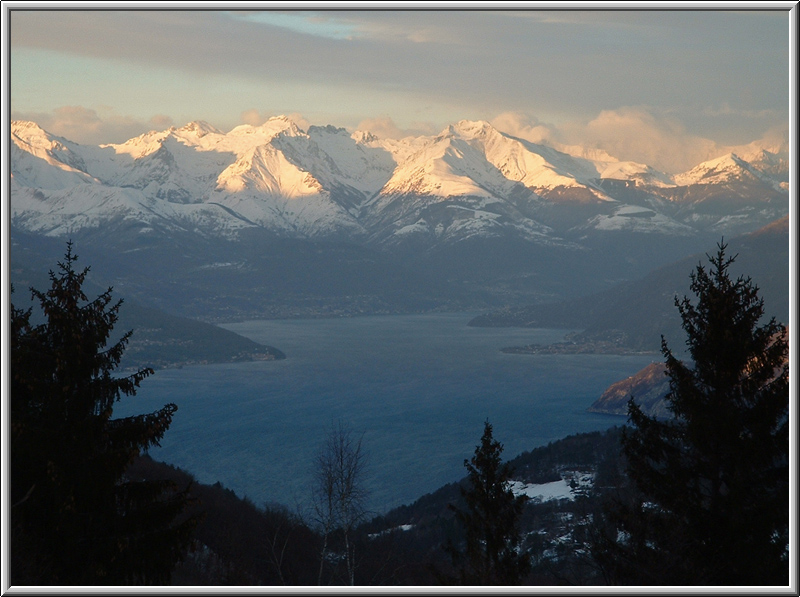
[
  {"x": 633, "y": 315},
  {"x": 239, "y": 542}
]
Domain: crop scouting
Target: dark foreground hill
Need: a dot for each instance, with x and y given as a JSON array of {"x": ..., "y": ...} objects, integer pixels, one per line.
[
  {"x": 159, "y": 339},
  {"x": 241, "y": 543},
  {"x": 163, "y": 340}
]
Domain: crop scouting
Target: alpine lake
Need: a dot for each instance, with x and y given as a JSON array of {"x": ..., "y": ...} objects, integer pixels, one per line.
[{"x": 416, "y": 388}]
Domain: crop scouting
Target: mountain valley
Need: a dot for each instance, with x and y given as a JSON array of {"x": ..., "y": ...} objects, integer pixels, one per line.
[{"x": 273, "y": 221}]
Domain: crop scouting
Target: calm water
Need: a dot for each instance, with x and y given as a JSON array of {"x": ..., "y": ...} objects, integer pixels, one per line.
[{"x": 419, "y": 388}]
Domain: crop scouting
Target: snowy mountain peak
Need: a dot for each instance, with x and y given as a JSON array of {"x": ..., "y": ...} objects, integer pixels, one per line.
[
  {"x": 467, "y": 129},
  {"x": 281, "y": 118},
  {"x": 143, "y": 144},
  {"x": 35, "y": 136},
  {"x": 200, "y": 128},
  {"x": 470, "y": 179},
  {"x": 769, "y": 149},
  {"x": 25, "y": 128},
  {"x": 774, "y": 165},
  {"x": 328, "y": 130},
  {"x": 718, "y": 170},
  {"x": 364, "y": 137},
  {"x": 269, "y": 129},
  {"x": 40, "y": 159},
  {"x": 473, "y": 128},
  {"x": 282, "y": 124}
]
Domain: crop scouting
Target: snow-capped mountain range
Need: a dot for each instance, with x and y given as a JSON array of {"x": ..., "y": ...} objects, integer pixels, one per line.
[{"x": 469, "y": 181}]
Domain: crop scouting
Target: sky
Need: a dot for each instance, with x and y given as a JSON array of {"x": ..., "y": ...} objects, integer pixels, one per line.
[{"x": 667, "y": 88}]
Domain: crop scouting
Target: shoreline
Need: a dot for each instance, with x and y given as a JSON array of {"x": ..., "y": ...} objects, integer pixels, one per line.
[{"x": 592, "y": 348}]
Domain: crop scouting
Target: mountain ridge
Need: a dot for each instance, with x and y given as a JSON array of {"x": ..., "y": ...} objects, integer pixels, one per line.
[
  {"x": 492, "y": 218},
  {"x": 635, "y": 314},
  {"x": 324, "y": 182}
]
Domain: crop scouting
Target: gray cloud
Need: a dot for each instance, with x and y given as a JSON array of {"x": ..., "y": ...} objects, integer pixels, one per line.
[
  {"x": 722, "y": 74},
  {"x": 385, "y": 127},
  {"x": 582, "y": 60}
]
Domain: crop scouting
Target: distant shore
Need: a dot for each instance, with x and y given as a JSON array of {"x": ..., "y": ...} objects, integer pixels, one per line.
[
  {"x": 598, "y": 347},
  {"x": 272, "y": 354}
]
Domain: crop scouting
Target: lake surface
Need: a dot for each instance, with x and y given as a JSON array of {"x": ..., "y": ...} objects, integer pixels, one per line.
[{"x": 418, "y": 387}]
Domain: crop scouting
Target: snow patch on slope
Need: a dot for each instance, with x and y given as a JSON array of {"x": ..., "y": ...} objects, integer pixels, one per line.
[
  {"x": 566, "y": 488},
  {"x": 632, "y": 218}
]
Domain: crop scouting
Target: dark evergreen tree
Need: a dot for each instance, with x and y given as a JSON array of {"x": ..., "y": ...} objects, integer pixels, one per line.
[
  {"x": 492, "y": 554},
  {"x": 712, "y": 501},
  {"x": 75, "y": 518}
]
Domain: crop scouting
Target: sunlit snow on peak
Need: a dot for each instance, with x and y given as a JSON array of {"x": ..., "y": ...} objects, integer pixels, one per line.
[{"x": 200, "y": 128}]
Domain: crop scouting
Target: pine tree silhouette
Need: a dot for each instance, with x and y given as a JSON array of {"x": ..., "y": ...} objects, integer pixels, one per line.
[
  {"x": 713, "y": 482},
  {"x": 75, "y": 518},
  {"x": 491, "y": 554}
]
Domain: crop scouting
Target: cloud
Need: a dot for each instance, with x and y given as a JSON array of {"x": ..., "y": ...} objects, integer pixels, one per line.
[
  {"x": 639, "y": 135},
  {"x": 252, "y": 117},
  {"x": 301, "y": 121},
  {"x": 312, "y": 23},
  {"x": 255, "y": 117},
  {"x": 417, "y": 127},
  {"x": 523, "y": 126},
  {"x": 439, "y": 65},
  {"x": 385, "y": 127},
  {"x": 161, "y": 121},
  {"x": 775, "y": 140},
  {"x": 87, "y": 126}
]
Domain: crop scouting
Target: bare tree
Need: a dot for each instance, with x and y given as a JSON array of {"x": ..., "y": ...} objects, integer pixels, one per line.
[
  {"x": 281, "y": 524},
  {"x": 340, "y": 494}
]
